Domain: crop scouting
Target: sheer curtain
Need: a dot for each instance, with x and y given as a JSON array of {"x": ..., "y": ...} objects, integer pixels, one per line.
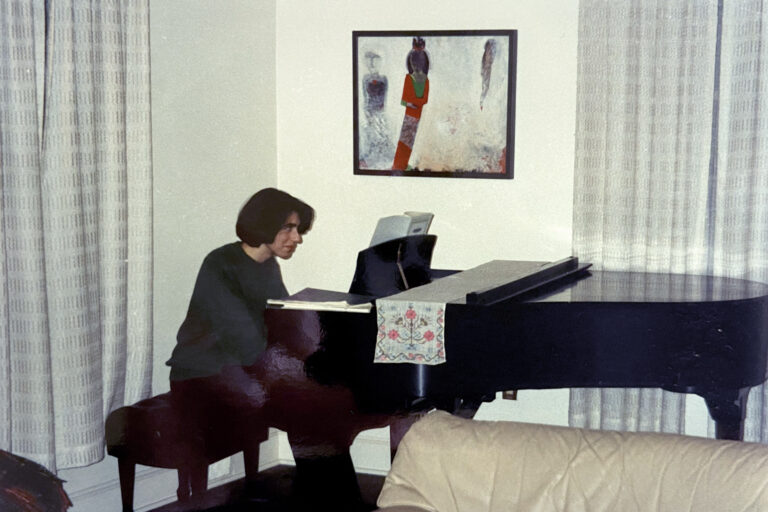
[
  {"x": 739, "y": 211},
  {"x": 75, "y": 223},
  {"x": 668, "y": 170}
]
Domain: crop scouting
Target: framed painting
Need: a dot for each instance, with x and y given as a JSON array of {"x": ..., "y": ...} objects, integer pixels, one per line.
[{"x": 434, "y": 103}]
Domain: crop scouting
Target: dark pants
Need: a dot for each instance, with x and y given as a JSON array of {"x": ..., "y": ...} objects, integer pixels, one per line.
[{"x": 222, "y": 408}]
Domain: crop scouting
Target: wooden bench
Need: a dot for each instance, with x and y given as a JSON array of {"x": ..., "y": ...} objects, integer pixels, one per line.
[{"x": 149, "y": 433}]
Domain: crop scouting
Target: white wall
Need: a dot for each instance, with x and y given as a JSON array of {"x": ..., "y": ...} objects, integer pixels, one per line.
[
  {"x": 213, "y": 122},
  {"x": 528, "y": 217},
  {"x": 475, "y": 220}
]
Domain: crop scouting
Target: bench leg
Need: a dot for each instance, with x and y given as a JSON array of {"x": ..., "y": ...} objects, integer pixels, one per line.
[
  {"x": 251, "y": 453},
  {"x": 193, "y": 481},
  {"x": 251, "y": 461},
  {"x": 183, "y": 492},
  {"x": 127, "y": 471},
  {"x": 198, "y": 481}
]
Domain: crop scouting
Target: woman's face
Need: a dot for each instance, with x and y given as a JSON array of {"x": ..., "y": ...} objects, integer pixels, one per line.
[{"x": 287, "y": 238}]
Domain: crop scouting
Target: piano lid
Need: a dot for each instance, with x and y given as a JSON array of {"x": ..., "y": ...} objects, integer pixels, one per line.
[
  {"x": 608, "y": 286},
  {"x": 411, "y": 324},
  {"x": 600, "y": 286},
  {"x": 490, "y": 282}
]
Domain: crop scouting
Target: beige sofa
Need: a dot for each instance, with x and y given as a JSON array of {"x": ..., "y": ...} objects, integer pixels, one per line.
[{"x": 446, "y": 464}]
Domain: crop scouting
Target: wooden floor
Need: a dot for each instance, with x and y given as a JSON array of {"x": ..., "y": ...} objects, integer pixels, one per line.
[{"x": 272, "y": 493}]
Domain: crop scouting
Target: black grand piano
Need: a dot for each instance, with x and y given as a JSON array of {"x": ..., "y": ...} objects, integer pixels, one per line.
[{"x": 555, "y": 325}]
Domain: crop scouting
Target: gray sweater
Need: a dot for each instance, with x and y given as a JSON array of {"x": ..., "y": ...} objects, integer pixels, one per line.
[{"x": 225, "y": 320}]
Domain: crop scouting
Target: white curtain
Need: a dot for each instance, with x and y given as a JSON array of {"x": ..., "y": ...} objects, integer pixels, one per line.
[
  {"x": 739, "y": 212},
  {"x": 75, "y": 223},
  {"x": 668, "y": 174}
]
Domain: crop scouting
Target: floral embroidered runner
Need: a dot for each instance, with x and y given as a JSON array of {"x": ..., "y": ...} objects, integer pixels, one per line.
[
  {"x": 411, "y": 324},
  {"x": 410, "y": 332}
]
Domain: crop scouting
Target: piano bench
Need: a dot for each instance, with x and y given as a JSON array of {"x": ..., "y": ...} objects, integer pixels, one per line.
[{"x": 150, "y": 433}]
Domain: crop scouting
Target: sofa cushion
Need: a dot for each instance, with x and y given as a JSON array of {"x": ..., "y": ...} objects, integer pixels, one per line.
[{"x": 446, "y": 463}]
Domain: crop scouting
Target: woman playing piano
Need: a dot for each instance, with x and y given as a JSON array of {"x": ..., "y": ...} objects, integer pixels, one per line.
[{"x": 214, "y": 377}]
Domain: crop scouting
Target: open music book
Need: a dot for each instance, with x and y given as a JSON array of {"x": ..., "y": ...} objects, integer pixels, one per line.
[{"x": 314, "y": 299}]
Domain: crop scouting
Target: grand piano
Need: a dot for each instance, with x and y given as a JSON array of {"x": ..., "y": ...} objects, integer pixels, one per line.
[{"x": 555, "y": 325}]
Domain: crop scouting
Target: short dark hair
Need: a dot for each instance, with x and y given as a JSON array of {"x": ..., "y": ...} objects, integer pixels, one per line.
[
  {"x": 417, "y": 58},
  {"x": 264, "y": 214}
]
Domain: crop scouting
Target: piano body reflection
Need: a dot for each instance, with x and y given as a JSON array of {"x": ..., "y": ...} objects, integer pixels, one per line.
[{"x": 683, "y": 333}]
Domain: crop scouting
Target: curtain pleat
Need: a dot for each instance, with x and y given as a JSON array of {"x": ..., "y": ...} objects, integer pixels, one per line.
[
  {"x": 86, "y": 269},
  {"x": 27, "y": 419},
  {"x": 644, "y": 110},
  {"x": 740, "y": 221},
  {"x": 671, "y": 145}
]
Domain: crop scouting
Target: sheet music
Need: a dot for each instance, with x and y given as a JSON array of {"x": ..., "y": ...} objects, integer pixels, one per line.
[
  {"x": 321, "y": 305},
  {"x": 314, "y": 299}
]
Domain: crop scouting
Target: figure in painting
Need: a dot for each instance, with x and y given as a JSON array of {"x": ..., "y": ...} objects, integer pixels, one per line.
[
  {"x": 377, "y": 152},
  {"x": 487, "y": 65},
  {"x": 492, "y": 156},
  {"x": 415, "y": 95}
]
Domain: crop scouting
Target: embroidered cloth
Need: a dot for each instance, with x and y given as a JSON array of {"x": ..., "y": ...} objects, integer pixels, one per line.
[
  {"x": 410, "y": 332},
  {"x": 411, "y": 324}
]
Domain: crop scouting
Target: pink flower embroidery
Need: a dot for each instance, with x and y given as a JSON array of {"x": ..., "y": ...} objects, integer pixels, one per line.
[
  {"x": 429, "y": 335},
  {"x": 393, "y": 334},
  {"x": 410, "y": 314}
]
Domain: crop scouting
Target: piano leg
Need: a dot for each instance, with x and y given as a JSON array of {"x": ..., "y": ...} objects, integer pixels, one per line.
[
  {"x": 464, "y": 407},
  {"x": 727, "y": 407},
  {"x": 398, "y": 429},
  {"x": 327, "y": 482}
]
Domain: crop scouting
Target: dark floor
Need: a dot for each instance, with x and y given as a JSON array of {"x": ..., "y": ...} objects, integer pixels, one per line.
[{"x": 273, "y": 493}]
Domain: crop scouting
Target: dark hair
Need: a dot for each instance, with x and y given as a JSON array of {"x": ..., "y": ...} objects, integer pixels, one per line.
[
  {"x": 417, "y": 58},
  {"x": 265, "y": 212}
]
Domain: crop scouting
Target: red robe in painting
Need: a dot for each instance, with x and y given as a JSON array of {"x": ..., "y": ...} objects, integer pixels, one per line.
[{"x": 413, "y": 106}]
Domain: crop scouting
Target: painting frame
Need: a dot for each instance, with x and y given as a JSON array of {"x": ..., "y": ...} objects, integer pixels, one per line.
[{"x": 457, "y": 136}]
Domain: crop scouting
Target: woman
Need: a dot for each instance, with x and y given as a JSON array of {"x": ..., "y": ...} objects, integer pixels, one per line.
[{"x": 214, "y": 383}]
